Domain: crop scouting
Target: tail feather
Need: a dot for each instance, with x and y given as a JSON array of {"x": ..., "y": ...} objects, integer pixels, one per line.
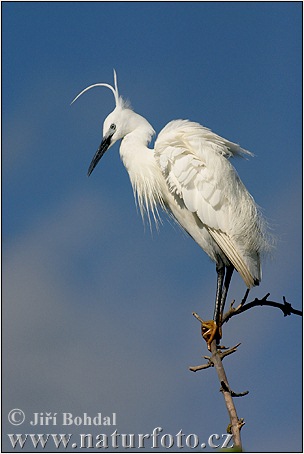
[{"x": 229, "y": 249}]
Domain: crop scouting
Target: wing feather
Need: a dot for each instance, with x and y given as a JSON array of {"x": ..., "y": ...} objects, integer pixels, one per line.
[{"x": 194, "y": 162}]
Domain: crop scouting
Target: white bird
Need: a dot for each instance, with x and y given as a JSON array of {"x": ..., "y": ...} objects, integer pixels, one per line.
[{"x": 188, "y": 174}]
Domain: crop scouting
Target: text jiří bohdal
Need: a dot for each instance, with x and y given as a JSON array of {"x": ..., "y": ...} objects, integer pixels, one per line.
[{"x": 68, "y": 419}]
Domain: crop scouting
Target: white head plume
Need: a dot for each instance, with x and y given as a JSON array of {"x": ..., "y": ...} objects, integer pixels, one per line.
[{"x": 118, "y": 99}]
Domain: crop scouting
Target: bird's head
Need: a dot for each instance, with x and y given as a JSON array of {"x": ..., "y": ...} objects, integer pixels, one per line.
[{"x": 120, "y": 122}]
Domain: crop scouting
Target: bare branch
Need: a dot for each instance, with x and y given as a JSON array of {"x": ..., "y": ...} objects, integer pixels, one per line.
[
  {"x": 215, "y": 360},
  {"x": 203, "y": 366},
  {"x": 210, "y": 360},
  {"x": 229, "y": 351},
  {"x": 285, "y": 307},
  {"x": 233, "y": 394},
  {"x": 225, "y": 389},
  {"x": 198, "y": 317}
]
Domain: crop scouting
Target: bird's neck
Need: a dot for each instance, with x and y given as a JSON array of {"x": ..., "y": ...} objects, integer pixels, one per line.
[
  {"x": 144, "y": 173},
  {"x": 134, "y": 150}
]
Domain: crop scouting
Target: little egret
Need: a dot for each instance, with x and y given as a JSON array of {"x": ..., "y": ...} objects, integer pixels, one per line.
[{"x": 188, "y": 174}]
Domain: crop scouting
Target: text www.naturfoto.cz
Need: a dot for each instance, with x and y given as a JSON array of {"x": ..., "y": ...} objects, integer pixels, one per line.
[{"x": 116, "y": 440}]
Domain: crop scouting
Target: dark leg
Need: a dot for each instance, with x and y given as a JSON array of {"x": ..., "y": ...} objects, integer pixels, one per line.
[
  {"x": 220, "y": 269},
  {"x": 212, "y": 329},
  {"x": 229, "y": 271}
]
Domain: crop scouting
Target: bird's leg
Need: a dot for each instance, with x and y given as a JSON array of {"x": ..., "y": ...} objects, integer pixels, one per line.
[
  {"x": 210, "y": 328},
  {"x": 228, "y": 275},
  {"x": 220, "y": 269}
]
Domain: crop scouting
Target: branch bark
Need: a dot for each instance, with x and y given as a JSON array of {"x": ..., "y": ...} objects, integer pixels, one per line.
[
  {"x": 216, "y": 361},
  {"x": 235, "y": 422},
  {"x": 217, "y": 355},
  {"x": 285, "y": 307}
]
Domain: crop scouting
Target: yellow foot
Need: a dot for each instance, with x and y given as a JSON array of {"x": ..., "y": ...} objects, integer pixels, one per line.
[{"x": 210, "y": 331}]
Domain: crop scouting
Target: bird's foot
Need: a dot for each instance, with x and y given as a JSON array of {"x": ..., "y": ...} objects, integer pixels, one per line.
[{"x": 211, "y": 331}]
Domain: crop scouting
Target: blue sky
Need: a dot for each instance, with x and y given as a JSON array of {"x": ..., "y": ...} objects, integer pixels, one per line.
[{"x": 96, "y": 310}]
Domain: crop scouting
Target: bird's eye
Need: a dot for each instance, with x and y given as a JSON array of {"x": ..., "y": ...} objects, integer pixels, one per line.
[{"x": 113, "y": 127}]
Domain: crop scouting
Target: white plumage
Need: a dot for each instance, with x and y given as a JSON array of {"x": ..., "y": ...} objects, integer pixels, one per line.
[
  {"x": 194, "y": 162},
  {"x": 189, "y": 175}
]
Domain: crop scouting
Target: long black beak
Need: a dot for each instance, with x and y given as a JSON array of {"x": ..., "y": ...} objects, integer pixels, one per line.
[{"x": 106, "y": 142}]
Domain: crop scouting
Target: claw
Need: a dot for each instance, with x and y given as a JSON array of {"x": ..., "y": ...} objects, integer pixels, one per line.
[{"x": 210, "y": 331}]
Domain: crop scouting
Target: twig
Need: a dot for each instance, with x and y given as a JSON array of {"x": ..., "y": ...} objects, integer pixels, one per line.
[
  {"x": 227, "y": 394},
  {"x": 285, "y": 307},
  {"x": 203, "y": 366},
  {"x": 216, "y": 361},
  {"x": 210, "y": 362},
  {"x": 229, "y": 351},
  {"x": 233, "y": 394},
  {"x": 218, "y": 355},
  {"x": 198, "y": 317},
  {"x": 245, "y": 297}
]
